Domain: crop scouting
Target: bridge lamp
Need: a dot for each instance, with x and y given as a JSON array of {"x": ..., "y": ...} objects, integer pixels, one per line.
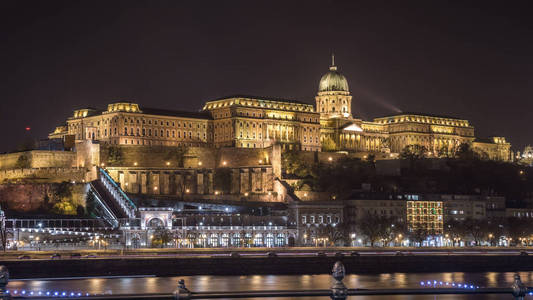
[
  {"x": 168, "y": 163},
  {"x": 135, "y": 163},
  {"x": 224, "y": 163},
  {"x": 199, "y": 163}
]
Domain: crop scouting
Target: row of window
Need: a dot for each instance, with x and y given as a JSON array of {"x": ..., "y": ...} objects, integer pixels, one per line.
[{"x": 320, "y": 219}]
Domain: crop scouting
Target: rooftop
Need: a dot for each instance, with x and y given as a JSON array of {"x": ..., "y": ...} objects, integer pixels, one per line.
[
  {"x": 419, "y": 114},
  {"x": 176, "y": 113},
  {"x": 260, "y": 98}
]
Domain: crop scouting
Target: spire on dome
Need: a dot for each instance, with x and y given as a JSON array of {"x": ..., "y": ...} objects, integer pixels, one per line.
[{"x": 333, "y": 67}]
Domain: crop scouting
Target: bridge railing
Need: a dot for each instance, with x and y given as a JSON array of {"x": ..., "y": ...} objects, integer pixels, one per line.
[
  {"x": 118, "y": 194},
  {"x": 338, "y": 291}
]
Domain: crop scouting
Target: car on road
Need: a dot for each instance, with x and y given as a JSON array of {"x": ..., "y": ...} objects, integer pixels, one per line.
[
  {"x": 75, "y": 255},
  {"x": 524, "y": 253},
  {"x": 272, "y": 254},
  {"x": 355, "y": 253},
  {"x": 339, "y": 254},
  {"x": 90, "y": 256},
  {"x": 55, "y": 256},
  {"x": 235, "y": 255},
  {"x": 24, "y": 257},
  {"x": 321, "y": 254}
]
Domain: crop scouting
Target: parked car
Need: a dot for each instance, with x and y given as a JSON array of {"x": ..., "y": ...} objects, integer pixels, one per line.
[
  {"x": 339, "y": 254},
  {"x": 272, "y": 254}
]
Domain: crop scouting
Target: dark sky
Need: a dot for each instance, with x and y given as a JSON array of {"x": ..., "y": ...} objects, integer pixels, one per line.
[{"x": 468, "y": 59}]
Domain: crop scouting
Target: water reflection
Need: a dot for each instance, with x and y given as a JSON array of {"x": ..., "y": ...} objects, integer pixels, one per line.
[{"x": 274, "y": 282}]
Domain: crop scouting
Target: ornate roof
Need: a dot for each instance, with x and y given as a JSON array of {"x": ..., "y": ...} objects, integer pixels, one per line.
[{"x": 333, "y": 81}]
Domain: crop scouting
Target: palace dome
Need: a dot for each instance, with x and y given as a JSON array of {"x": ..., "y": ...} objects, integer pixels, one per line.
[{"x": 333, "y": 81}]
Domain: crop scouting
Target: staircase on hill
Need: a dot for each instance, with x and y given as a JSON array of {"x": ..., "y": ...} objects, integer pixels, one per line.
[{"x": 118, "y": 204}]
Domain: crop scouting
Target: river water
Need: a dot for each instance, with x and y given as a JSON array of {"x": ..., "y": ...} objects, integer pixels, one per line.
[{"x": 273, "y": 282}]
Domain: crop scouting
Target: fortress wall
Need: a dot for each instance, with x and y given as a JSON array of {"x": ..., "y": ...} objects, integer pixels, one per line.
[
  {"x": 39, "y": 159},
  {"x": 43, "y": 174},
  {"x": 243, "y": 157},
  {"x": 158, "y": 156}
]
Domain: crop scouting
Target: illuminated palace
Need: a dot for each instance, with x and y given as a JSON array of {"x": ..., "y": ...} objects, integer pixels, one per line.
[{"x": 256, "y": 122}]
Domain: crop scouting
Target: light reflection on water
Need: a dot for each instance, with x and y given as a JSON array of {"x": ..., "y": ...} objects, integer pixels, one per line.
[{"x": 276, "y": 282}]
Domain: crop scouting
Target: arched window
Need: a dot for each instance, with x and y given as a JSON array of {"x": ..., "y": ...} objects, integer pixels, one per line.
[{"x": 155, "y": 223}]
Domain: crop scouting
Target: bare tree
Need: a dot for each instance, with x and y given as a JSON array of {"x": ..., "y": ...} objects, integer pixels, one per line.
[{"x": 376, "y": 228}]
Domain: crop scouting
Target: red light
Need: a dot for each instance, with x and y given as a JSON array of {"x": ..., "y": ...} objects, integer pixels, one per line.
[{"x": 28, "y": 128}]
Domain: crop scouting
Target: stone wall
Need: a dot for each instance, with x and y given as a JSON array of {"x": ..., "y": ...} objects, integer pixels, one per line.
[
  {"x": 30, "y": 197},
  {"x": 39, "y": 159},
  {"x": 194, "y": 157},
  {"x": 43, "y": 174}
]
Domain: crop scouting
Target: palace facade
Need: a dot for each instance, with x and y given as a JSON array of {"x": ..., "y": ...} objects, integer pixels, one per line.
[{"x": 256, "y": 122}]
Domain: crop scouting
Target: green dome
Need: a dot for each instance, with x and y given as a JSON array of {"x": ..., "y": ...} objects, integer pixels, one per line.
[{"x": 333, "y": 81}]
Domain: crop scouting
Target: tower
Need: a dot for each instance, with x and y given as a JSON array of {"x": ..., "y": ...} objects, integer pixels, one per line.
[{"x": 333, "y": 99}]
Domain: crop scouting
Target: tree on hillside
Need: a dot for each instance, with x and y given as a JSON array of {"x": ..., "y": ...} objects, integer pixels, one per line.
[
  {"x": 114, "y": 156},
  {"x": 413, "y": 152},
  {"x": 23, "y": 161},
  {"x": 346, "y": 174},
  {"x": 177, "y": 155},
  {"x": 465, "y": 152},
  {"x": 295, "y": 165},
  {"x": 328, "y": 144}
]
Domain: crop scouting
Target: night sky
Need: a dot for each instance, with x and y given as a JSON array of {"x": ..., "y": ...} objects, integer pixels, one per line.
[{"x": 471, "y": 60}]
